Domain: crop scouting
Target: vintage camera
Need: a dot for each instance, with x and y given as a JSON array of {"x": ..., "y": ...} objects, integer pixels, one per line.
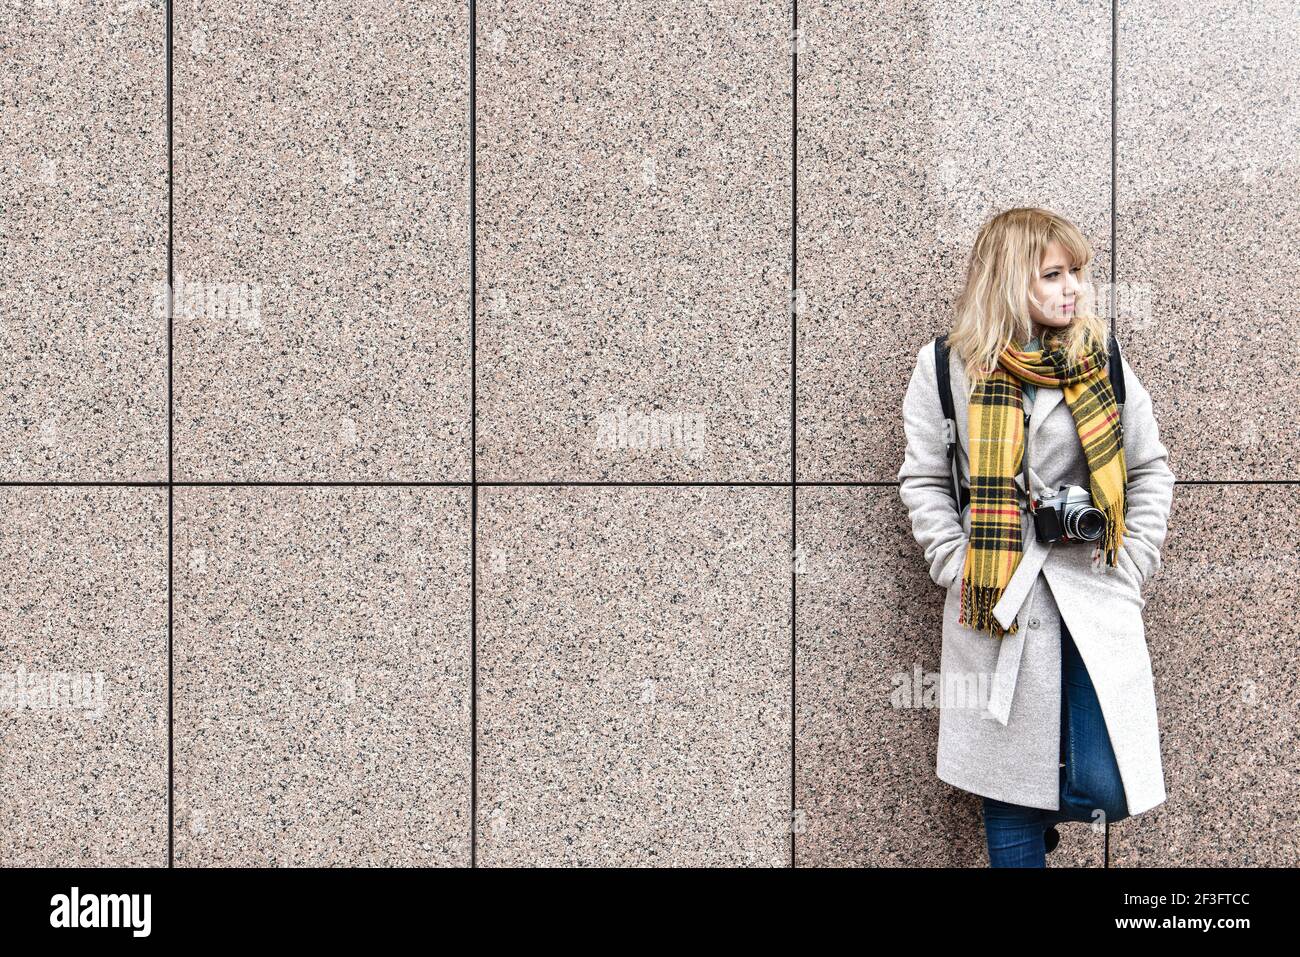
[{"x": 1068, "y": 515}]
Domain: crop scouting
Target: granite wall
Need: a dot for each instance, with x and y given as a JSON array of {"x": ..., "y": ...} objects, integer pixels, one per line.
[{"x": 447, "y": 437}]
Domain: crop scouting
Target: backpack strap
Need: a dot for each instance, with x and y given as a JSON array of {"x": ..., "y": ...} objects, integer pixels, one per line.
[
  {"x": 1116, "y": 370},
  {"x": 960, "y": 495},
  {"x": 1117, "y": 386}
]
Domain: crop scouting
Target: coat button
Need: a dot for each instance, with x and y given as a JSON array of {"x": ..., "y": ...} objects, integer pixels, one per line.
[{"x": 1033, "y": 622}]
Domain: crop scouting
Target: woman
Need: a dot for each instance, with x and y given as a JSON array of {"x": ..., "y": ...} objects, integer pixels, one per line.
[{"x": 1047, "y": 633}]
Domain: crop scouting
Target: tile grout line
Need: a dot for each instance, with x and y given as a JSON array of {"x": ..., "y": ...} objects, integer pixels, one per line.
[
  {"x": 473, "y": 438},
  {"x": 1114, "y": 242},
  {"x": 793, "y": 313},
  {"x": 171, "y": 476},
  {"x": 558, "y": 483}
]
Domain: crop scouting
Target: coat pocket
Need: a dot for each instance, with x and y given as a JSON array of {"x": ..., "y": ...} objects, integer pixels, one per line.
[
  {"x": 1129, "y": 567},
  {"x": 956, "y": 563}
]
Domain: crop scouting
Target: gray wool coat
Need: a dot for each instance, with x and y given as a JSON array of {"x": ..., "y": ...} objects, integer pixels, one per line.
[{"x": 1000, "y": 707}]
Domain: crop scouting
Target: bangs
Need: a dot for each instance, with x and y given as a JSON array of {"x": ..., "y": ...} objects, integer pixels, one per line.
[{"x": 1074, "y": 242}]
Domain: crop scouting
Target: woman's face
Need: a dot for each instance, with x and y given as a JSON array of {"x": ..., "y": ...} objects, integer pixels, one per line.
[{"x": 1057, "y": 286}]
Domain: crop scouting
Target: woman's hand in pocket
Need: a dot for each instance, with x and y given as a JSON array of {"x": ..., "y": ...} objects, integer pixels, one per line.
[{"x": 956, "y": 562}]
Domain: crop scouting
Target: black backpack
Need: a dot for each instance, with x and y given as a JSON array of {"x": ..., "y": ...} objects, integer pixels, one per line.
[{"x": 960, "y": 494}]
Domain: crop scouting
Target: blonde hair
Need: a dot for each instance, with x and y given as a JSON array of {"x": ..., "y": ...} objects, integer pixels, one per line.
[{"x": 993, "y": 309}]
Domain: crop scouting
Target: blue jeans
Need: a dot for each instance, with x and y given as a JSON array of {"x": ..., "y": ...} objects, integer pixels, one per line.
[{"x": 1090, "y": 780}]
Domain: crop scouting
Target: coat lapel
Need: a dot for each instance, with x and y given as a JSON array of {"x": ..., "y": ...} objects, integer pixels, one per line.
[{"x": 1045, "y": 400}]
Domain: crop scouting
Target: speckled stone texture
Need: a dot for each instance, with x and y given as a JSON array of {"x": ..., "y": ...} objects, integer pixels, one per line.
[
  {"x": 643, "y": 697},
  {"x": 83, "y": 242},
  {"x": 634, "y": 676},
  {"x": 322, "y": 677},
  {"x": 634, "y": 240},
  {"x": 83, "y": 677},
  {"x": 322, "y": 240},
  {"x": 1208, "y": 221},
  {"x": 1221, "y": 626},
  {"x": 868, "y": 619},
  {"x": 916, "y": 123}
]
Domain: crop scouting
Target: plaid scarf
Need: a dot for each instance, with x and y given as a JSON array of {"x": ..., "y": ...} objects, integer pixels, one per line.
[{"x": 997, "y": 442}]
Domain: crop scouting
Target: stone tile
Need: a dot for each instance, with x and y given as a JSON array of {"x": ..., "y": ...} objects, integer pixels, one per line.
[
  {"x": 903, "y": 154},
  {"x": 322, "y": 241},
  {"x": 869, "y": 616},
  {"x": 1222, "y": 631},
  {"x": 83, "y": 677},
  {"x": 634, "y": 676},
  {"x": 83, "y": 239},
  {"x": 322, "y": 677},
  {"x": 634, "y": 241},
  {"x": 1208, "y": 219}
]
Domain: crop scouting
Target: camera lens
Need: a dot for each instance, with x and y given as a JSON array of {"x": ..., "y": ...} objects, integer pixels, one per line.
[{"x": 1084, "y": 523}]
